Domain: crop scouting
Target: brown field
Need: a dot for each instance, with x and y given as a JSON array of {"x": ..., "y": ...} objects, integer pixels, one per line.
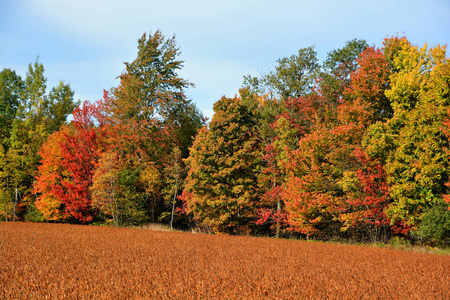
[{"x": 53, "y": 261}]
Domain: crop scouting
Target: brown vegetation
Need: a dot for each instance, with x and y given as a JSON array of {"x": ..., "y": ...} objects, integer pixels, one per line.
[{"x": 56, "y": 261}]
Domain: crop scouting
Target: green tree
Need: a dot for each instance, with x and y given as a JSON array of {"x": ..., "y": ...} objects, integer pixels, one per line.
[
  {"x": 115, "y": 192},
  {"x": 222, "y": 184},
  {"x": 11, "y": 91},
  {"x": 37, "y": 115},
  {"x": 160, "y": 89},
  {"x": 61, "y": 104},
  {"x": 435, "y": 226},
  {"x": 338, "y": 66},
  {"x": 293, "y": 76},
  {"x": 27, "y": 135}
]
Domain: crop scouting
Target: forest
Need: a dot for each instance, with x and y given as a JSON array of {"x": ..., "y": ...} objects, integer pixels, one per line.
[{"x": 352, "y": 148}]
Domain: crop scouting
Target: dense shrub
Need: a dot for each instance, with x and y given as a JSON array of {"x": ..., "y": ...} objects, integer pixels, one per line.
[{"x": 435, "y": 226}]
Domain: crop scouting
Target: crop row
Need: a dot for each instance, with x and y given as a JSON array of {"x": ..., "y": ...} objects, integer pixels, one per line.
[{"x": 56, "y": 261}]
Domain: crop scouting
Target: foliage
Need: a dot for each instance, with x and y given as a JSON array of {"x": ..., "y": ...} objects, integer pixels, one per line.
[
  {"x": 175, "y": 171},
  {"x": 11, "y": 91},
  {"x": 115, "y": 193},
  {"x": 367, "y": 196},
  {"x": 70, "y": 157},
  {"x": 338, "y": 66},
  {"x": 354, "y": 148},
  {"x": 144, "y": 118},
  {"x": 416, "y": 162},
  {"x": 105, "y": 185},
  {"x": 293, "y": 76},
  {"x": 323, "y": 189},
  {"x": 222, "y": 186},
  {"x": 160, "y": 89},
  {"x": 435, "y": 226},
  {"x": 29, "y": 116},
  {"x": 50, "y": 176}
]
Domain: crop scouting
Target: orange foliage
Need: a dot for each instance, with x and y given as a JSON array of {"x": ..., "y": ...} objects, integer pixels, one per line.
[{"x": 51, "y": 173}]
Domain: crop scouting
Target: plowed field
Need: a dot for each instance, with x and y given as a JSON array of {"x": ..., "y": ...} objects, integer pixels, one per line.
[{"x": 55, "y": 261}]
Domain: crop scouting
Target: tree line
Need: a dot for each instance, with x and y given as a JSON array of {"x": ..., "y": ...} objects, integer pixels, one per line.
[{"x": 356, "y": 147}]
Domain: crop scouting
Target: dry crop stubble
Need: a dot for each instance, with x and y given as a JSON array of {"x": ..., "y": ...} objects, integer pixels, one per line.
[{"x": 58, "y": 261}]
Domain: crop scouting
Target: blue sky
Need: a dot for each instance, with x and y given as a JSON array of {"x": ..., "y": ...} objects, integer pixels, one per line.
[{"x": 85, "y": 43}]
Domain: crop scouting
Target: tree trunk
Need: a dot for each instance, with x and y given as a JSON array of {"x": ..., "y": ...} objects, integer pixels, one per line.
[
  {"x": 278, "y": 207},
  {"x": 173, "y": 205},
  {"x": 16, "y": 200}
]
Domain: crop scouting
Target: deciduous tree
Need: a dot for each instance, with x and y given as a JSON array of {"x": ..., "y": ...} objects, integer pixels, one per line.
[
  {"x": 293, "y": 76},
  {"x": 222, "y": 185},
  {"x": 413, "y": 146}
]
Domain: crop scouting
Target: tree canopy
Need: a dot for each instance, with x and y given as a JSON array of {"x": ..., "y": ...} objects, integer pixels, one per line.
[{"x": 355, "y": 147}]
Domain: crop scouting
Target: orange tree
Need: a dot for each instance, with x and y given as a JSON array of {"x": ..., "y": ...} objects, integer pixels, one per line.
[
  {"x": 324, "y": 193},
  {"x": 69, "y": 160},
  {"x": 146, "y": 117}
]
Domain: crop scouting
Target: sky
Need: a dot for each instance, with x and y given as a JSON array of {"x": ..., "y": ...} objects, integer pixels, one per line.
[{"x": 86, "y": 42}]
